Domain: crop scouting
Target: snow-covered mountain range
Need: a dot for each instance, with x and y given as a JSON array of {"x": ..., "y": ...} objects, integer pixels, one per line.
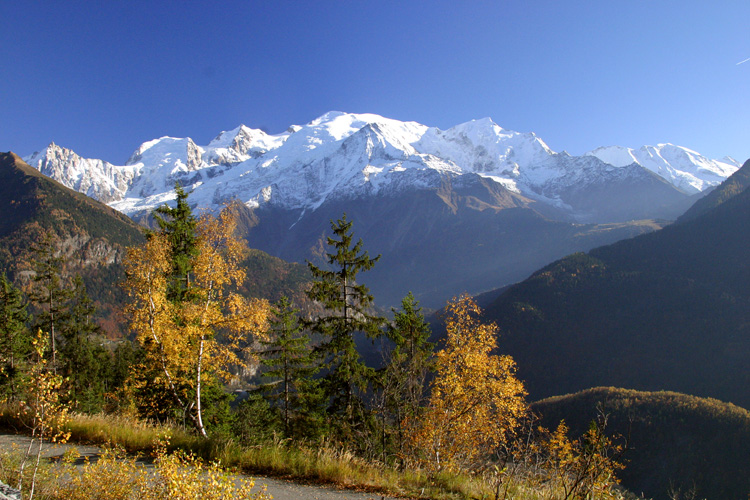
[
  {"x": 467, "y": 209},
  {"x": 343, "y": 156}
]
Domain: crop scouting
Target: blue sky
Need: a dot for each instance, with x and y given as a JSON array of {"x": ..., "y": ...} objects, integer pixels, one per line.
[{"x": 102, "y": 77}]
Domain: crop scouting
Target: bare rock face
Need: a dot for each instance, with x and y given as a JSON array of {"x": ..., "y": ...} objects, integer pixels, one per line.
[
  {"x": 96, "y": 178},
  {"x": 87, "y": 251}
]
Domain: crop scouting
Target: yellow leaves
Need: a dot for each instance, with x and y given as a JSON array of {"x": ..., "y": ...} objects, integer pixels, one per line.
[
  {"x": 560, "y": 447},
  {"x": 248, "y": 315},
  {"x": 219, "y": 252},
  {"x": 181, "y": 476},
  {"x": 150, "y": 313},
  {"x": 584, "y": 467},
  {"x": 176, "y": 476},
  {"x": 112, "y": 476},
  {"x": 476, "y": 400},
  {"x": 41, "y": 407},
  {"x": 200, "y": 336}
]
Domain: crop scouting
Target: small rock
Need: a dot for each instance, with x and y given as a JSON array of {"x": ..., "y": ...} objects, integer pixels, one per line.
[{"x": 8, "y": 493}]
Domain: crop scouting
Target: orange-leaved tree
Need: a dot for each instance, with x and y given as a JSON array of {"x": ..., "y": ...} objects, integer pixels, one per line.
[
  {"x": 475, "y": 400},
  {"x": 41, "y": 410},
  {"x": 585, "y": 467},
  {"x": 192, "y": 341}
]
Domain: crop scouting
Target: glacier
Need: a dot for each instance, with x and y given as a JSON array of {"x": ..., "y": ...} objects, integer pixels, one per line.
[{"x": 345, "y": 156}]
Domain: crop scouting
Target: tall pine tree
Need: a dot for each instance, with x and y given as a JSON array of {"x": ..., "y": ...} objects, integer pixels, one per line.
[
  {"x": 290, "y": 358},
  {"x": 84, "y": 362},
  {"x": 408, "y": 363},
  {"x": 347, "y": 311},
  {"x": 179, "y": 225},
  {"x": 50, "y": 292},
  {"x": 15, "y": 339}
]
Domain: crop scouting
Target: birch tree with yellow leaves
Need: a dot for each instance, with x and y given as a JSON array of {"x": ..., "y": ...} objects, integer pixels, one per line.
[
  {"x": 476, "y": 401},
  {"x": 198, "y": 338}
]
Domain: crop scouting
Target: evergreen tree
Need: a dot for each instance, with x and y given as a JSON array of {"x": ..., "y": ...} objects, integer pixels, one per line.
[
  {"x": 125, "y": 356},
  {"x": 346, "y": 304},
  {"x": 125, "y": 359},
  {"x": 15, "y": 340},
  {"x": 179, "y": 225},
  {"x": 256, "y": 422},
  {"x": 407, "y": 365},
  {"x": 65, "y": 313},
  {"x": 81, "y": 312},
  {"x": 289, "y": 356},
  {"x": 49, "y": 291},
  {"x": 85, "y": 363}
]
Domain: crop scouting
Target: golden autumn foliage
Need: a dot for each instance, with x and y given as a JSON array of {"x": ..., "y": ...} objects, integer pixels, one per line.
[
  {"x": 41, "y": 409},
  {"x": 585, "y": 467},
  {"x": 203, "y": 335},
  {"x": 41, "y": 405},
  {"x": 476, "y": 401},
  {"x": 175, "y": 476}
]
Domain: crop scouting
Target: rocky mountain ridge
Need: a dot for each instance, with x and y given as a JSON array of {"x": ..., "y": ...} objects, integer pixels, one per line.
[{"x": 343, "y": 156}]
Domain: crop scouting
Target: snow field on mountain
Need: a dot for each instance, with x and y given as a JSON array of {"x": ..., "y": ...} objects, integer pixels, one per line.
[{"x": 345, "y": 155}]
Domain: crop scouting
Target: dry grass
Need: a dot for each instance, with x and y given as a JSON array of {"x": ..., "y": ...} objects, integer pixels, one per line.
[
  {"x": 322, "y": 461},
  {"x": 128, "y": 433}
]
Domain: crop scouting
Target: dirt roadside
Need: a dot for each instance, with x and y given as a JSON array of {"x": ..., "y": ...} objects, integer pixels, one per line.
[{"x": 278, "y": 488}]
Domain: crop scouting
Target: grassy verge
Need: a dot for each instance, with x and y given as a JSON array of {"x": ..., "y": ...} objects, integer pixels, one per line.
[{"x": 319, "y": 462}]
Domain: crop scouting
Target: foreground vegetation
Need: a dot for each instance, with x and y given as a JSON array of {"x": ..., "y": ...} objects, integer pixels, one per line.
[
  {"x": 115, "y": 476},
  {"x": 321, "y": 462},
  {"x": 426, "y": 423}
]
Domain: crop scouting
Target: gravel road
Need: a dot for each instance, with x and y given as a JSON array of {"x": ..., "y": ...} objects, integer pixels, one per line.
[{"x": 278, "y": 488}]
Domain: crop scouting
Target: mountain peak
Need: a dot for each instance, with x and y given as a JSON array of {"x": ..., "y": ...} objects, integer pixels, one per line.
[
  {"x": 95, "y": 178},
  {"x": 342, "y": 155},
  {"x": 683, "y": 167}
]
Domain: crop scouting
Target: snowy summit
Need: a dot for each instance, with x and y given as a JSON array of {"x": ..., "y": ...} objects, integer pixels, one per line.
[{"x": 344, "y": 155}]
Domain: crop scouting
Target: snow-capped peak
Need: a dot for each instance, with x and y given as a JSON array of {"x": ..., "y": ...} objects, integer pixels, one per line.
[
  {"x": 683, "y": 167},
  {"x": 356, "y": 155},
  {"x": 96, "y": 178},
  {"x": 240, "y": 144}
]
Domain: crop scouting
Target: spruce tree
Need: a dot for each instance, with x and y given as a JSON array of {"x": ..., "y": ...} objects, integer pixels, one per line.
[
  {"x": 15, "y": 340},
  {"x": 408, "y": 363},
  {"x": 179, "y": 225},
  {"x": 290, "y": 358},
  {"x": 85, "y": 363},
  {"x": 50, "y": 292},
  {"x": 346, "y": 303}
]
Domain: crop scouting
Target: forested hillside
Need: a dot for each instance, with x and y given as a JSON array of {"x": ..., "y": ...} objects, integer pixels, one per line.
[
  {"x": 663, "y": 311},
  {"x": 678, "y": 444},
  {"x": 92, "y": 238}
]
